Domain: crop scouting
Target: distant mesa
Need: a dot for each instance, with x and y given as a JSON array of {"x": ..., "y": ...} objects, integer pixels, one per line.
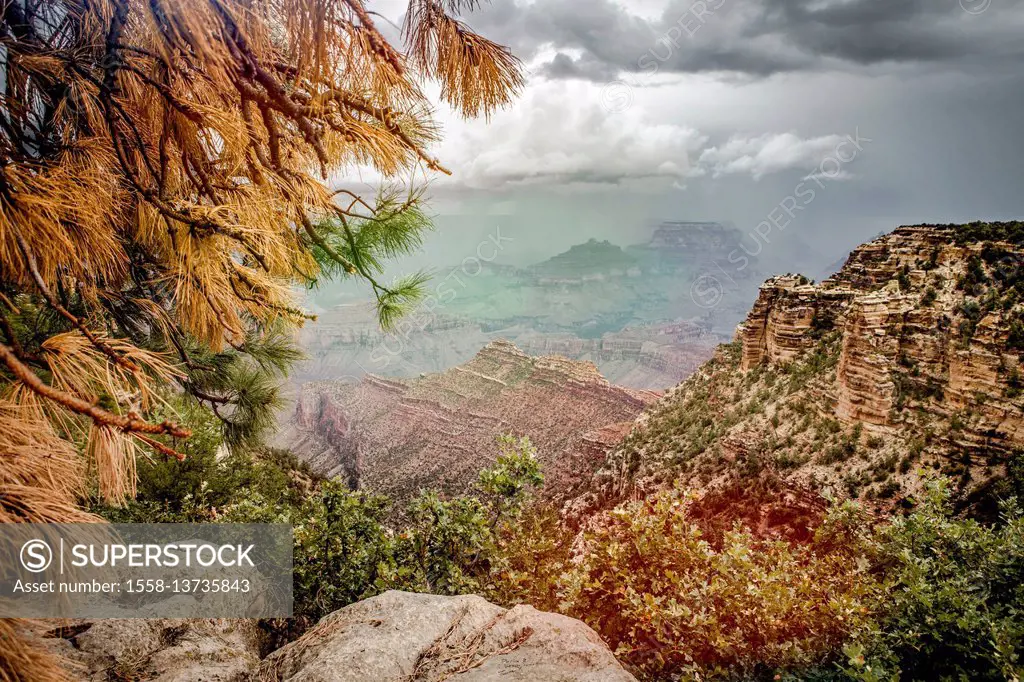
[
  {"x": 694, "y": 237},
  {"x": 592, "y": 256}
]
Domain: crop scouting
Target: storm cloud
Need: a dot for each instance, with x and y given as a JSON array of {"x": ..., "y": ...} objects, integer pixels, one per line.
[
  {"x": 594, "y": 38},
  {"x": 636, "y": 111}
]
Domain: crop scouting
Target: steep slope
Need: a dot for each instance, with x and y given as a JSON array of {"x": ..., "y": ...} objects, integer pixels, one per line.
[
  {"x": 398, "y": 436},
  {"x": 907, "y": 359}
]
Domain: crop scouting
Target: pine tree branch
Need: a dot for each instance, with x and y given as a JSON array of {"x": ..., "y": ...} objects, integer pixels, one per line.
[
  {"x": 19, "y": 350},
  {"x": 129, "y": 424},
  {"x": 33, "y": 268}
]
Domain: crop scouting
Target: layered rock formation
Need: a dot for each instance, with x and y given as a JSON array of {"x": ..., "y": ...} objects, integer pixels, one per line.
[
  {"x": 694, "y": 239},
  {"x": 402, "y": 637},
  {"x": 912, "y": 328},
  {"x": 648, "y": 356},
  {"x": 908, "y": 357},
  {"x": 397, "y": 436}
]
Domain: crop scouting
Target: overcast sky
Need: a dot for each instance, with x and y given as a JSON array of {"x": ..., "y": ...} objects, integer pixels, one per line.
[{"x": 891, "y": 111}]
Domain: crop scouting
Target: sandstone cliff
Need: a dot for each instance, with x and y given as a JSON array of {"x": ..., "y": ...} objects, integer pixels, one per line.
[
  {"x": 905, "y": 361},
  {"x": 397, "y": 436}
]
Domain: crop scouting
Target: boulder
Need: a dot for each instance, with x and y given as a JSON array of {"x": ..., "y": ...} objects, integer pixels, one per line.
[
  {"x": 404, "y": 637},
  {"x": 194, "y": 650}
]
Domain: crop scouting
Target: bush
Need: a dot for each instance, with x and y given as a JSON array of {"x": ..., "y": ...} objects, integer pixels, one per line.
[
  {"x": 954, "y": 597},
  {"x": 341, "y": 549},
  {"x": 347, "y": 548},
  {"x": 928, "y": 596},
  {"x": 672, "y": 604}
]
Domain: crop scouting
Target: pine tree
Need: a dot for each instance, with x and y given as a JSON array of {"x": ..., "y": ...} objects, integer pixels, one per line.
[{"x": 164, "y": 189}]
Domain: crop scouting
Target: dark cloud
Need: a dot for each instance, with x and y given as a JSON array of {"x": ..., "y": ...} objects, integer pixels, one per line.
[
  {"x": 586, "y": 67},
  {"x": 757, "y": 37}
]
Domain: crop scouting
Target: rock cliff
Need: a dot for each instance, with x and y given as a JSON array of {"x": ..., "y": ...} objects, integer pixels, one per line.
[
  {"x": 925, "y": 316},
  {"x": 397, "y": 436},
  {"x": 907, "y": 358}
]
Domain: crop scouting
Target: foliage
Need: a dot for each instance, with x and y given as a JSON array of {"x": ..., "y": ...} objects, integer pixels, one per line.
[
  {"x": 530, "y": 556},
  {"x": 204, "y": 487},
  {"x": 1012, "y": 232},
  {"x": 446, "y": 547},
  {"x": 163, "y": 191},
  {"x": 515, "y": 473},
  {"x": 926, "y": 596},
  {"x": 340, "y": 545},
  {"x": 671, "y": 603},
  {"x": 954, "y": 600},
  {"x": 347, "y": 546}
]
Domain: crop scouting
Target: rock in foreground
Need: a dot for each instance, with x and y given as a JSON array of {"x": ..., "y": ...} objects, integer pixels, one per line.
[
  {"x": 399, "y": 636},
  {"x": 211, "y": 650}
]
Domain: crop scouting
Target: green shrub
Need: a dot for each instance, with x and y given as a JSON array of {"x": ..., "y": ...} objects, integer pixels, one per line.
[
  {"x": 954, "y": 600},
  {"x": 672, "y": 604},
  {"x": 348, "y": 546}
]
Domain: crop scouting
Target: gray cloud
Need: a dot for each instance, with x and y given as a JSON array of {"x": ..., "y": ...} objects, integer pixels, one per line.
[
  {"x": 587, "y": 67},
  {"x": 756, "y": 37}
]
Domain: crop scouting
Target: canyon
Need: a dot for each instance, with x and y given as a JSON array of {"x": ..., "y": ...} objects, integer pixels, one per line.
[
  {"x": 437, "y": 431},
  {"x": 904, "y": 361},
  {"x": 647, "y": 315}
]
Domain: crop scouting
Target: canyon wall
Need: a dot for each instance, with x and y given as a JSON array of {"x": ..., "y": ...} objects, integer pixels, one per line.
[
  {"x": 903, "y": 365},
  {"x": 924, "y": 321},
  {"x": 398, "y": 436}
]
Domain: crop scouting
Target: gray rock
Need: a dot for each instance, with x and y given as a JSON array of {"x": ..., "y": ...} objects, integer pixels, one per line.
[
  {"x": 194, "y": 650},
  {"x": 404, "y": 637}
]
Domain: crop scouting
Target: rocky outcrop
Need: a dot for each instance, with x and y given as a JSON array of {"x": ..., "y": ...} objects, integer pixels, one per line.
[
  {"x": 397, "y": 436},
  {"x": 403, "y": 637},
  {"x": 779, "y": 326},
  {"x": 924, "y": 318},
  {"x": 865, "y": 386},
  {"x": 907, "y": 359},
  {"x": 212, "y": 650},
  {"x": 395, "y": 637}
]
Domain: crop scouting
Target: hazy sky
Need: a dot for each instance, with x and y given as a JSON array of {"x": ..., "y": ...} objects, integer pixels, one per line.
[{"x": 890, "y": 111}]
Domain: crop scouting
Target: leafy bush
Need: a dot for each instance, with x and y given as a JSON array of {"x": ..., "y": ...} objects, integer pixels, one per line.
[
  {"x": 671, "y": 603},
  {"x": 928, "y": 596},
  {"x": 341, "y": 545},
  {"x": 954, "y": 597}
]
